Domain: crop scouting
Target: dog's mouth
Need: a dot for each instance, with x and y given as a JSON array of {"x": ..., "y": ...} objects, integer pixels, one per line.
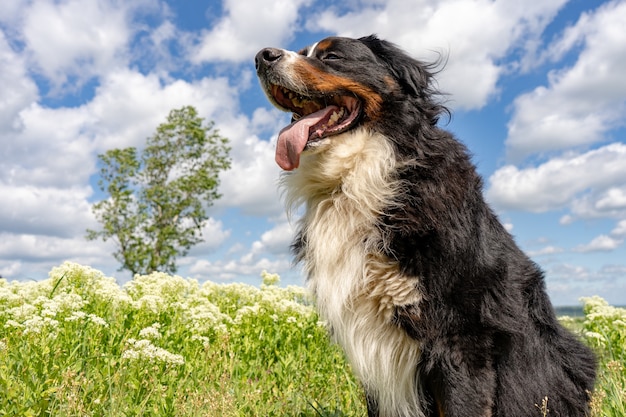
[{"x": 313, "y": 119}]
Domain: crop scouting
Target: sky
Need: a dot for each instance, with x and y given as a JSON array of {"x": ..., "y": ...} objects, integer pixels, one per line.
[{"x": 536, "y": 90}]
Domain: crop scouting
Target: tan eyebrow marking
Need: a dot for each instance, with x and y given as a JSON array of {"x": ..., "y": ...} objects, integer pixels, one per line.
[{"x": 323, "y": 45}]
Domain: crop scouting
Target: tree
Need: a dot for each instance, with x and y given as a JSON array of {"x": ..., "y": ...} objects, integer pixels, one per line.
[{"x": 157, "y": 199}]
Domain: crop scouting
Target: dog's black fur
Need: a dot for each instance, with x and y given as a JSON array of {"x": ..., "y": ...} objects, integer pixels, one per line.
[{"x": 490, "y": 343}]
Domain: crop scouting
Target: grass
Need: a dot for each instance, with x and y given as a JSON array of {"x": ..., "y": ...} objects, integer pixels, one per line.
[
  {"x": 604, "y": 327},
  {"x": 78, "y": 344}
]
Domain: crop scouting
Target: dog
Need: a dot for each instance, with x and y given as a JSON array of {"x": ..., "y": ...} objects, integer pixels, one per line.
[{"x": 437, "y": 309}]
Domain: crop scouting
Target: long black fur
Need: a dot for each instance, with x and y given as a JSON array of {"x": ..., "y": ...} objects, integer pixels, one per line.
[
  {"x": 485, "y": 308},
  {"x": 491, "y": 343}
]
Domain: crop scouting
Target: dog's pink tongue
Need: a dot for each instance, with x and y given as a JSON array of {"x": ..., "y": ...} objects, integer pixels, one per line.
[{"x": 293, "y": 138}]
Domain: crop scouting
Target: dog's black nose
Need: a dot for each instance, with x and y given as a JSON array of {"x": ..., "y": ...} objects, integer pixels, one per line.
[{"x": 267, "y": 57}]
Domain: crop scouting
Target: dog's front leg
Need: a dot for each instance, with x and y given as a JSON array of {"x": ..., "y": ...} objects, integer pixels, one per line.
[{"x": 464, "y": 389}]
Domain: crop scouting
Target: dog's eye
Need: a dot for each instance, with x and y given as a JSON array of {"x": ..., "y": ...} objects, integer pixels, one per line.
[{"x": 331, "y": 56}]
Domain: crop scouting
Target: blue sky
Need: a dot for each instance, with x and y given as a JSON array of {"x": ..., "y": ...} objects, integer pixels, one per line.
[{"x": 536, "y": 89}]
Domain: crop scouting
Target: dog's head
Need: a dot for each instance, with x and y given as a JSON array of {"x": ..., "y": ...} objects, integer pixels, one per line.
[{"x": 335, "y": 85}]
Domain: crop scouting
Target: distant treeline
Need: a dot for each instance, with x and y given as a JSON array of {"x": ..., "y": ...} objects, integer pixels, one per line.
[{"x": 572, "y": 311}]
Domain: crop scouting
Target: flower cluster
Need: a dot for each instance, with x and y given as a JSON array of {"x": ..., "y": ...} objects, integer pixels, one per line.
[
  {"x": 92, "y": 318},
  {"x": 151, "y": 332},
  {"x": 269, "y": 279},
  {"x": 604, "y": 324},
  {"x": 75, "y": 294},
  {"x": 144, "y": 350}
]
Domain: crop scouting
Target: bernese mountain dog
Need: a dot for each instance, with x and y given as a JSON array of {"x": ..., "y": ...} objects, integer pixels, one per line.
[{"x": 437, "y": 309}]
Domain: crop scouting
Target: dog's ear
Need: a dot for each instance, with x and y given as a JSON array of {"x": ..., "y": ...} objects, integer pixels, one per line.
[{"x": 412, "y": 75}]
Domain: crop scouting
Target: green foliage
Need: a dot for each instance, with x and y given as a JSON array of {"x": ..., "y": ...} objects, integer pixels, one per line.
[
  {"x": 157, "y": 199},
  {"x": 78, "y": 344},
  {"x": 605, "y": 329}
]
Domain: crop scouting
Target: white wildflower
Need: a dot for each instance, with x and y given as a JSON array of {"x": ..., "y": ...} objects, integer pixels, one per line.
[
  {"x": 595, "y": 335},
  {"x": 69, "y": 302},
  {"x": 61, "y": 303},
  {"x": 3, "y": 346},
  {"x": 150, "y": 302},
  {"x": 97, "y": 320},
  {"x": 205, "y": 317},
  {"x": 76, "y": 316},
  {"x": 144, "y": 350},
  {"x": 206, "y": 342},
  {"x": 12, "y": 323},
  {"x": 30, "y": 290},
  {"x": 151, "y": 332},
  {"x": 245, "y": 311},
  {"x": 243, "y": 293},
  {"x": 37, "y": 323},
  {"x": 7, "y": 296},
  {"x": 23, "y": 312},
  {"x": 81, "y": 315},
  {"x": 270, "y": 279},
  {"x": 595, "y": 301},
  {"x": 168, "y": 287}
]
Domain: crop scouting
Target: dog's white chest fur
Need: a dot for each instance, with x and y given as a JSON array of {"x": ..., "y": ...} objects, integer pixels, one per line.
[{"x": 344, "y": 185}]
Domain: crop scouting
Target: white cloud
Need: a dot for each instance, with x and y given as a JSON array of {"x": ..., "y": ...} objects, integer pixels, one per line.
[
  {"x": 567, "y": 283},
  {"x": 582, "y": 103},
  {"x": 51, "y": 148},
  {"x": 557, "y": 182},
  {"x": 599, "y": 203},
  {"x": 34, "y": 246},
  {"x": 9, "y": 268},
  {"x": 11, "y": 10},
  {"x": 18, "y": 90},
  {"x": 601, "y": 243},
  {"x": 51, "y": 211},
  {"x": 251, "y": 183},
  {"x": 76, "y": 38},
  {"x": 31, "y": 256},
  {"x": 548, "y": 250},
  {"x": 246, "y": 27},
  {"x": 276, "y": 240},
  {"x": 128, "y": 105},
  {"x": 270, "y": 252},
  {"x": 213, "y": 235},
  {"x": 476, "y": 34},
  {"x": 237, "y": 269},
  {"x": 620, "y": 229}
]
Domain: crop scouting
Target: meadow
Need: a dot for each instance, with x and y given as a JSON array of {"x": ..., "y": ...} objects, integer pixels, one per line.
[{"x": 79, "y": 344}]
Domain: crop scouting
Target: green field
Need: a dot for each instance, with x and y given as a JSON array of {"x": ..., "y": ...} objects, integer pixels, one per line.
[{"x": 78, "y": 344}]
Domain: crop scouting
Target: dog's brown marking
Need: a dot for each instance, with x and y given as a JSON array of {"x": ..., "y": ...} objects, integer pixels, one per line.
[
  {"x": 319, "y": 81},
  {"x": 324, "y": 45}
]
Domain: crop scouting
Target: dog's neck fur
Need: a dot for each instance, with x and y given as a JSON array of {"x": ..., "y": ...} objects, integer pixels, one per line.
[{"x": 345, "y": 187}]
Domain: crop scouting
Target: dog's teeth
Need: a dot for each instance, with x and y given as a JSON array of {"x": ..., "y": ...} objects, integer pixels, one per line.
[{"x": 336, "y": 116}]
